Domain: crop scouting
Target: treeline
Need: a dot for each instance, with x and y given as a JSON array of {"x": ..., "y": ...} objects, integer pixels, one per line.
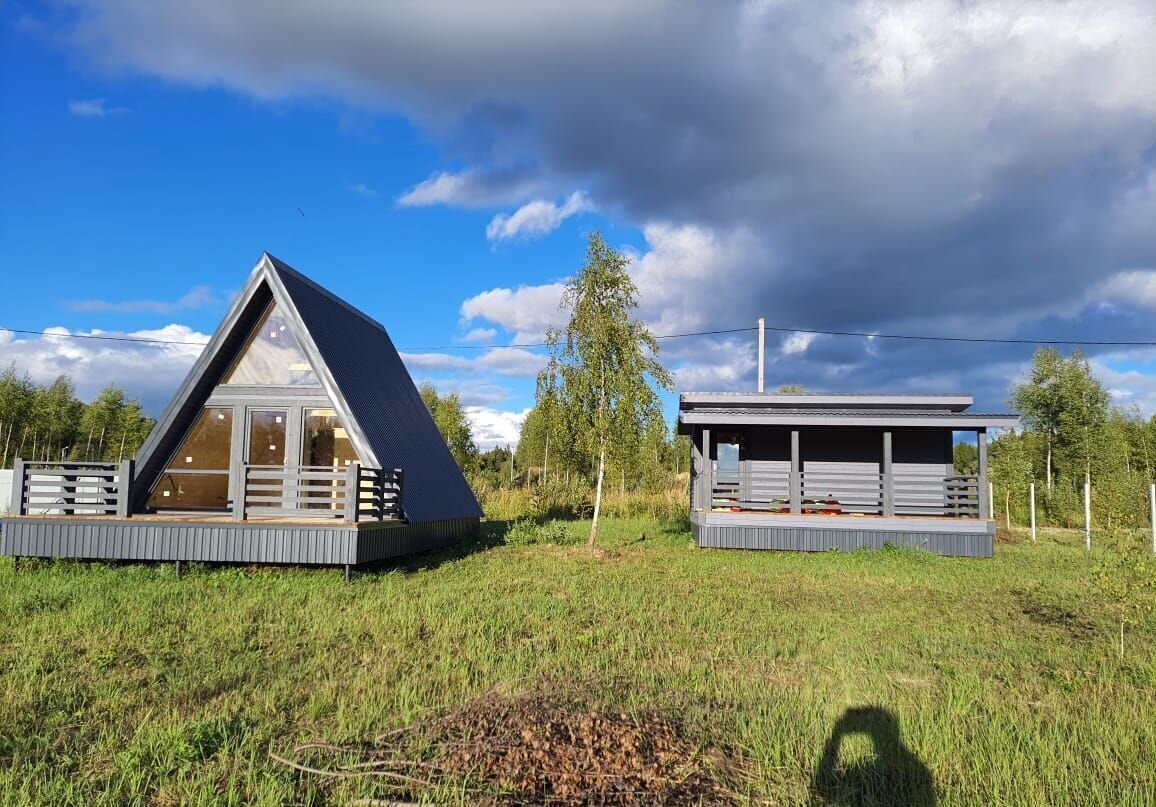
[
  {"x": 549, "y": 453},
  {"x": 1072, "y": 435},
  {"x": 49, "y": 423}
]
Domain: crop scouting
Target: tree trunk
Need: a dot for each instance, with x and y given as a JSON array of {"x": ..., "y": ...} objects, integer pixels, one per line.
[
  {"x": 1049, "y": 470},
  {"x": 598, "y": 492},
  {"x": 546, "y": 461}
]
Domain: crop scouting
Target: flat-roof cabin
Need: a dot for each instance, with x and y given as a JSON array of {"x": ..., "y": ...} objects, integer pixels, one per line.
[{"x": 819, "y": 471}]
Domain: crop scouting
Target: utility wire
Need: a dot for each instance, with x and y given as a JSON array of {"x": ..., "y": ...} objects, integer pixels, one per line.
[{"x": 720, "y": 332}]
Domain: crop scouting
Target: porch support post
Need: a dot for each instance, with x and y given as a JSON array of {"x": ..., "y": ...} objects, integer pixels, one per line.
[
  {"x": 888, "y": 477},
  {"x": 352, "y": 492},
  {"x": 706, "y": 501},
  {"x": 19, "y": 471},
  {"x": 796, "y": 475},
  {"x": 239, "y": 496},
  {"x": 696, "y": 469},
  {"x": 124, "y": 488},
  {"x": 984, "y": 504}
]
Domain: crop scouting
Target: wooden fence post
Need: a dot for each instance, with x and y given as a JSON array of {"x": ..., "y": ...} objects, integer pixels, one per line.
[
  {"x": 1032, "y": 500},
  {"x": 352, "y": 491},
  {"x": 19, "y": 471},
  {"x": 1088, "y": 515}
]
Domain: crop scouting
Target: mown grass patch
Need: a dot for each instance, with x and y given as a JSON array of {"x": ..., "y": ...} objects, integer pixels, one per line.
[{"x": 125, "y": 685}]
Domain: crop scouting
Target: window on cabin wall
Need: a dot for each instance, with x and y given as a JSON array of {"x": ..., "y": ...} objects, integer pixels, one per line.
[
  {"x": 324, "y": 444},
  {"x": 727, "y": 452},
  {"x": 272, "y": 356},
  {"x": 197, "y": 477}
]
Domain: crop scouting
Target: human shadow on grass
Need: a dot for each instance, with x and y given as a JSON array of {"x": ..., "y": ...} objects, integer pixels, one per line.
[{"x": 893, "y": 776}]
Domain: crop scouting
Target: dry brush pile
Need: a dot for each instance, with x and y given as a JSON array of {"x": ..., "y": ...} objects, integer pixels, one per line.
[{"x": 536, "y": 747}]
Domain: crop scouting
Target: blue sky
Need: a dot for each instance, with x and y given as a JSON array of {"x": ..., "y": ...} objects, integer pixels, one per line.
[{"x": 922, "y": 167}]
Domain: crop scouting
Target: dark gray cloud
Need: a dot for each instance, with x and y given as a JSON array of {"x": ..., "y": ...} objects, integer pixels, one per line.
[{"x": 931, "y": 166}]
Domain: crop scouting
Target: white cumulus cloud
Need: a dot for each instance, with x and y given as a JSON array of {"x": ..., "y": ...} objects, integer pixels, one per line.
[{"x": 537, "y": 218}]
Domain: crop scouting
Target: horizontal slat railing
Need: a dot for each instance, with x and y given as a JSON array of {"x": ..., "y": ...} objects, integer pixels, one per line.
[
  {"x": 71, "y": 488},
  {"x": 961, "y": 496},
  {"x": 846, "y": 491},
  {"x": 350, "y": 493},
  {"x": 842, "y": 491}
]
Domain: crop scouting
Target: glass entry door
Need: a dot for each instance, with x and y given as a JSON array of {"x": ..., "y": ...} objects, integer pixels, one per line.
[{"x": 267, "y": 432}]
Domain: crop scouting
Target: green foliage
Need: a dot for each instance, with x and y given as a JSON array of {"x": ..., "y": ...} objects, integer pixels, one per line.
[
  {"x": 965, "y": 458},
  {"x": 450, "y": 417},
  {"x": 791, "y": 389},
  {"x": 526, "y": 532},
  {"x": 1063, "y": 401},
  {"x": 49, "y": 423},
  {"x": 602, "y": 365},
  {"x": 1127, "y": 580},
  {"x": 1073, "y": 435}
]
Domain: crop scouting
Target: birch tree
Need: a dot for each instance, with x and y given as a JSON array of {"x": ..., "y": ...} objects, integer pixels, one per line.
[{"x": 603, "y": 364}]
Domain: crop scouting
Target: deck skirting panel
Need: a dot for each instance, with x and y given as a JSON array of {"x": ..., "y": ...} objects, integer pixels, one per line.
[
  {"x": 245, "y": 542},
  {"x": 382, "y": 542},
  {"x": 805, "y": 538}
]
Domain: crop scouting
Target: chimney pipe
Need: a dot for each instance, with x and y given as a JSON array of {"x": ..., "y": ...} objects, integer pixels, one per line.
[{"x": 762, "y": 349}]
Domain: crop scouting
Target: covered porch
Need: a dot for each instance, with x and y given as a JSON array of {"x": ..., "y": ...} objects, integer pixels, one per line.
[
  {"x": 815, "y": 471},
  {"x": 836, "y": 472}
]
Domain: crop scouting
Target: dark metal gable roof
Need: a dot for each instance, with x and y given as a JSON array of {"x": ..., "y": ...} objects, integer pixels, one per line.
[
  {"x": 376, "y": 387},
  {"x": 362, "y": 374}
]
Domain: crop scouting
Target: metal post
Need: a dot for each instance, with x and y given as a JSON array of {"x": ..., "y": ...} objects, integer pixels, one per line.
[
  {"x": 178, "y": 568},
  {"x": 762, "y": 350},
  {"x": 19, "y": 471},
  {"x": 352, "y": 491},
  {"x": 796, "y": 474},
  {"x": 888, "y": 477},
  {"x": 1032, "y": 501},
  {"x": 1088, "y": 515},
  {"x": 348, "y": 573}
]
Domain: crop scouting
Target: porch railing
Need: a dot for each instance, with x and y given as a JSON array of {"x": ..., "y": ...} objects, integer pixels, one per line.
[
  {"x": 847, "y": 491},
  {"x": 348, "y": 494},
  {"x": 71, "y": 488}
]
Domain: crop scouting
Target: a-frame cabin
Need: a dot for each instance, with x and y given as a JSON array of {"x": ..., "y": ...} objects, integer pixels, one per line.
[{"x": 297, "y": 437}]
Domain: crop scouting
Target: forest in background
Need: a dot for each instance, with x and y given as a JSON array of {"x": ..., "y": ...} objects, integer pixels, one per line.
[{"x": 49, "y": 423}]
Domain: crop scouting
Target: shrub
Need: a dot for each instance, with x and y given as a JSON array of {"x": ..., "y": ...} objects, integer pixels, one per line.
[{"x": 525, "y": 532}]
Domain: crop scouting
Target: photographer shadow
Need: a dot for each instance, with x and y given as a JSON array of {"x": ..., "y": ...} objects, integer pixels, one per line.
[{"x": 894, "y": 776}]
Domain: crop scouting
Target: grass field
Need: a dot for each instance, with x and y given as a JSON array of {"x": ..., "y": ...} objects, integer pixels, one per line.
[{"x": 125, "y": 685}]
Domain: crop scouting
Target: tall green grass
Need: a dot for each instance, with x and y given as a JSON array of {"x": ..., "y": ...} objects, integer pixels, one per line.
[{"x": 122, "y": 684}]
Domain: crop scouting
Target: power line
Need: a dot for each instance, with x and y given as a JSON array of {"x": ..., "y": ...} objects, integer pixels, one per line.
[
  {"x": 719, "y": 332},
  {"x": 104, "y": 337}
]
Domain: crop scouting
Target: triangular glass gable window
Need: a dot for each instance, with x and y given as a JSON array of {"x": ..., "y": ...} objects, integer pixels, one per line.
[{"x": 272, "y": 356}]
